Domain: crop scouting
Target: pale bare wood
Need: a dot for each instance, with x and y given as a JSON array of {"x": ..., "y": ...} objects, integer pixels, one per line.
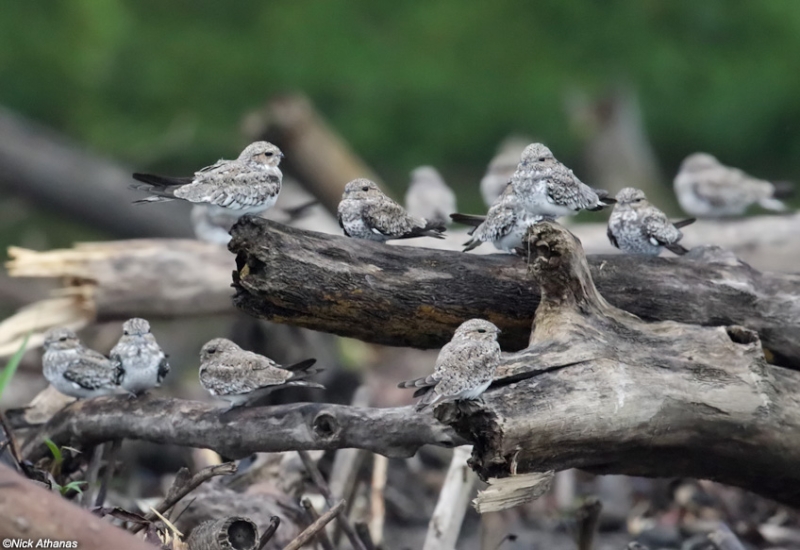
[{"x": 445, "y": 524}]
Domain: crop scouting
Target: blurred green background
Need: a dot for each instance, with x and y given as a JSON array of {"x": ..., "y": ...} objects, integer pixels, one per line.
[{"x": 164, "y": 85}]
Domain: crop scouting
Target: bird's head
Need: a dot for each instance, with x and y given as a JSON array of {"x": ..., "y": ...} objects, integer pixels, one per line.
[
  {"x": 361, "y": 188},
  {"x": 262, "y": 152},
  {"x": 699, "y": 161},
  {"x": 477, "y": 329},
  {"x": 536, "y": 152},
  {"x": 216, "y": 347},
  {"x": 630, "y": 196},
  {"x": 427, "y": 176},
  {"x": 135, "y": 327},
  {"x": 60, "y": 339}
]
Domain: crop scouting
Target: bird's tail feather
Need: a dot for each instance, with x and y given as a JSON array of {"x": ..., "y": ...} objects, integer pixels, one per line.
[
  {"x": 300, "y": 211},
  {"x": 772, "y": 204},
  {"x": 684, "y": 223},
  {"x": 678, "y": 249},
  {"x": 472, "y": 243},
  {"x": 154, "y": 180},
  {"x": 468, "y": 219},
  {"x": 302, "y": 369}
]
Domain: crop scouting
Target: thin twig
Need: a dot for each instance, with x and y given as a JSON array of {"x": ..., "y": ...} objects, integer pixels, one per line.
[
  {"x": 111, "y": 459},
  {"x": 311, "y": 531},
  {"x": 380, "y": 469},
  {"x": 274, "y": 523},
  {"x": 184, "y": 485},
  {"x": 363, "y": 531},
  {"x": 322, "y": 537},
  {"x": 319, "y": 481},
  {"x": 12, "y": 439},
  {"x": 87, "y": 498}
]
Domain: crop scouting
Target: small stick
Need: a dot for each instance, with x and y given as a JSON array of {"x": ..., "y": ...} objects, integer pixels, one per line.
[
  {"x": 274, "y": 523},
  {"x": 363, "y": 531},
  {"x": 587, "y": 516},
  {"x": 319, "y": 481},
  {"x": 311, "y": 531},
  {"x": 91, "y": 475},
  {"x": 184, "y": 485},
  {"x": 445, "y": 524},
  {"x": 725, "y": 539},
  {"x": 12, "y": 439},
  {"x": 322, "y": 537},
  {"x": 380, "y": 469},
  {"x": 111, "y": 459}
]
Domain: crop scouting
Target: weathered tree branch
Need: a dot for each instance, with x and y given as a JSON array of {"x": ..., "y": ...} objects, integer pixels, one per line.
[
  {"x": 28, "y": 511},
  {"x": 406, "y": 296},
  {"x": 599, "y": 389},
  {"x": 305, "y": 426}
]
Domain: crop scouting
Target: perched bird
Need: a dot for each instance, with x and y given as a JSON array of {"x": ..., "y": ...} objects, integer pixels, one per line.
[
  {"x": 501, "y": 168},
  {"x": 707, "y": 188},
  {"x": 504, "y": 225},
  {"x": 465, "y": 366},
  {"x": 247, "y": 185},
  {"x": 637, "y": 227},
  {"x": 239, "y": 376},
  {"x": 213, "y": 225},
  {"x": 75, "y": 370},
  {"x": 547, "y": 188},
  {"x": 141, "y": 362},
  {"x": 428, "y": 196},
  {"x": 366, "y": 213}
]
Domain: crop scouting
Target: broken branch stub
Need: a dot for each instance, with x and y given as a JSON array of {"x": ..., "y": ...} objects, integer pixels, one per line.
[{"x": 597, "y": 388}]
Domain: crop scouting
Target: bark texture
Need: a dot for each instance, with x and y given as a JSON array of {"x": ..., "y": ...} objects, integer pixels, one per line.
[{"x": 408, "y": 296}]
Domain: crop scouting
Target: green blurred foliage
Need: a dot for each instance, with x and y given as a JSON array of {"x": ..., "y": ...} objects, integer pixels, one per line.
[{"x": 165, "y": 84}]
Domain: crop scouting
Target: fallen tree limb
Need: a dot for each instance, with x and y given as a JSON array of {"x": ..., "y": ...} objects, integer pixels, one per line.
[
  {"x": 27, "y": 511},
  {"x": 601, "y": 390},
  {"x": 236, "y": 433},
  {"x": 404, "y": 296}
]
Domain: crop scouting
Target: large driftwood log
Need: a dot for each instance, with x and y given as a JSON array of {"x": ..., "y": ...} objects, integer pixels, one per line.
[
  {"x": 406, "y": 296},
  {"x": 28, "y": 511},
  {"x": 599, "y": 389}
]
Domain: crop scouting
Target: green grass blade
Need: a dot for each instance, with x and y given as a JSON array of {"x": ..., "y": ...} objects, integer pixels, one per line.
[
  {"x": 11, "y": 366},
  {"x": 54, "y": 450}
]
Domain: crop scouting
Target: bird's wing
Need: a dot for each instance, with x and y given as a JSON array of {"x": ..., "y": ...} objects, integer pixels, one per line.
[
  {"x": 659, "y": 230},
  {"x": 212, "y": 167},
  {"x": 386, "y": 217},
  {"x": 611, "y": 238},
  {"x": 92, "y": 370},
  {"x": 231, "y": 183}
]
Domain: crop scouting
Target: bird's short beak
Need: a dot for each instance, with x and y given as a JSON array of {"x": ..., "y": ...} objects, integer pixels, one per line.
[
  {"x": 281, "y": 155},
  {"x": 499, "y": 331}
]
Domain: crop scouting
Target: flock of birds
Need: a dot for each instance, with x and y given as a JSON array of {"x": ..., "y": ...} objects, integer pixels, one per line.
[{"x": 520, "y": 190}]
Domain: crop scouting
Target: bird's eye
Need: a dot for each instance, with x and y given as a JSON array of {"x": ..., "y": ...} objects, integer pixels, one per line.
[
  {"x": 62, "y": 339},
  {"x": 268, "y": 153},
  {"x": 365, "y": 188},
  {"x": 125, "y": 333},
  {"x": 541, "y": 159},
  {"x": 211, "y": 350},
  {"x": 481, "y": 330}
]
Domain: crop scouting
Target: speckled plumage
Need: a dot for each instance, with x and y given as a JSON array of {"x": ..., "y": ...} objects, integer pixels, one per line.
[
  {"x": 709, "y": 189},
  {"x": 239, "y": 376},
  {"x": 428, "y": 196},
  {"x": 249, "y": 184},
  {"x": 141, "y": 362},
  {"x": 366, "y": 213},
  {"x": 637, "y": 227},
  {"x": 75, "y": 370},
  {"x": 548, "y": 188},
  {"x": 501, "y": 168},
  {"x": 464, "y": 368},
  {"x": 504, "y": 225}
]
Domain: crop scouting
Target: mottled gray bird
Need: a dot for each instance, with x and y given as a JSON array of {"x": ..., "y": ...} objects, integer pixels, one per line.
[
  {"x": 637, "y": 227},
  {"x": 141, "y": 362},
  {"x": 707, "y": 188},
  {"x": 464, "y": 368},
  {"x": 366, "y": 213},
  {"x": 248, "y": 185},
  {"x": 429, "y": 197},
  {"x": 505, "y": 225},
  {"x": 501, "y": 168},
  {"x": 547, "y": 188},
  {"x": 240, "y": 376},
  {"x": 75, "y": 370}
]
